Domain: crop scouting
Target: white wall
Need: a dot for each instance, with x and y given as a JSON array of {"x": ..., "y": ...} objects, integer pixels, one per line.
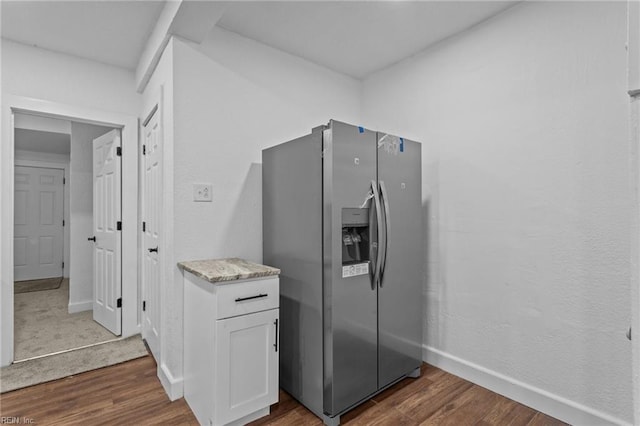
[
  {"x": 527, "y": 198},
  {"x": 81, "y": 220},
  {"x": 30, "y": 72},
  {"x": 232, "y": 98},
  {"x": 42, "y": 74},
  {"x": 58, "y": 161}
]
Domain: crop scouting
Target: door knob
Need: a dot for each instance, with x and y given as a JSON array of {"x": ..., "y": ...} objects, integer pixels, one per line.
[
  {"x": 92, "y": 239},
  {"x": 153, "y": 250}
]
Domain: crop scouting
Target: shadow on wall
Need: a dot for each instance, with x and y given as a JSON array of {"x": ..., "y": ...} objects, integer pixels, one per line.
[
  {"x": 243, "y": 236},
  {"x": 427, "y": 273}
]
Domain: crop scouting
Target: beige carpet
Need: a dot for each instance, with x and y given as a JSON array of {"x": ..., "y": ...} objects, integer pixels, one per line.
[
  {"x": 40, "y": 370},
  {"x": 43, "y": 325},
  {"x": 37, "y": 285}
]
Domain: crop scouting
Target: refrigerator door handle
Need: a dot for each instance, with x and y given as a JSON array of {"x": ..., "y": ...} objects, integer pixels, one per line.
[
  {"x": 376, "y": 242},
  {"x": 384, "y": 195}
]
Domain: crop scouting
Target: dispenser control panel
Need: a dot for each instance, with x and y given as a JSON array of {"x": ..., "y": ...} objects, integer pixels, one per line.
[
  {"x": 355, "y": 270},
  {"x": 355, "y": 242}
]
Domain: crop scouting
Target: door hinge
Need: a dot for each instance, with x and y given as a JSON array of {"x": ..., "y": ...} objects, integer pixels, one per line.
[
  {"x": 62, "y": 265},
  {"x": 62, "y": 222},
  {"x": 144, "y": 226},
  {"x": 144, "y": 149},
  {"x": 119, "y": 302},
  {"x": 119, "y": 226},
  {"x": 119, "y": 151},
  {"x": 64, "y": 180},
  {"x": 144, "y": 305}
]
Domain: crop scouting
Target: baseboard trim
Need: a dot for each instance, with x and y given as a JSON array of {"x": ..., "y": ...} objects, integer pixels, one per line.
[
  {"x": 80, "y": 306},
  {"x": 531, "y": 396},
  {"x": 172, "y": 386}
]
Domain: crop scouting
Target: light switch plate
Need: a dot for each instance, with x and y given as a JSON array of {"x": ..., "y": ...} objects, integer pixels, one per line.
[{"x": 202, "y": 192}]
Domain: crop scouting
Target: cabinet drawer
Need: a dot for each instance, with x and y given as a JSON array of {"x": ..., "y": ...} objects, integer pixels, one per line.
[{"x": 245, "y": 297}]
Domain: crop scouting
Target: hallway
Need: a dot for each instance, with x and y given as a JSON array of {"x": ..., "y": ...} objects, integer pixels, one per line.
[{"x": 44, "y": 326}]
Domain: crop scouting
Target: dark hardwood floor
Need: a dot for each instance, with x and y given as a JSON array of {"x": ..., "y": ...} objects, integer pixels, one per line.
[
  {"x": 435, "y": 398},
  {"x": 130, "y": 393}
]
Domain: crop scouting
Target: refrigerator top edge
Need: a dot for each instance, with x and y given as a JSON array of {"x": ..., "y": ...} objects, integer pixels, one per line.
[{"x": 330, "y": 125}]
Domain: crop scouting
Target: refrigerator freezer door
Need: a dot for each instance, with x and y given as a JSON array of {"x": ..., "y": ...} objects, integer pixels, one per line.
[
  {"x": 350, "y": 303},
  {"x": 399, "y": 301}
]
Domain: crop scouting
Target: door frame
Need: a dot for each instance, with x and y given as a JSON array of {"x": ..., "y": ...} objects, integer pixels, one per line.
[{"x": 128, "y": 124}]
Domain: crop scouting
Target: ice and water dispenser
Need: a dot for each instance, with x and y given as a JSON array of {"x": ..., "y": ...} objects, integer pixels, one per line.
[{"x": 355, "y": 241}]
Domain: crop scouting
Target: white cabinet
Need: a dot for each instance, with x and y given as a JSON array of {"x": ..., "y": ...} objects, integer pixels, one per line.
[
  {"x": 230, "y": 349},
  {"x": 247, "y": 349}
]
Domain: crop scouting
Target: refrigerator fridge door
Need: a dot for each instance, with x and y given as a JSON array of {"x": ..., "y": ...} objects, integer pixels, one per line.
[
  {"x": 399, "y": 301},
  {"x": 350, "y": 300}
]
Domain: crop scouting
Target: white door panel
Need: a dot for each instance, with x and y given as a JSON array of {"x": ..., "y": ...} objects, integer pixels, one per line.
[
  {"x": 38, "y": 229},
  {"x": 246, "y": 364},
  {"x": 152, "y": 204},
  {"x": 107, "y": 282}
]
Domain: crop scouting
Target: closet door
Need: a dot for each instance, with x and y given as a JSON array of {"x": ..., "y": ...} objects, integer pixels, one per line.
[{"x": 38, "y": 228}]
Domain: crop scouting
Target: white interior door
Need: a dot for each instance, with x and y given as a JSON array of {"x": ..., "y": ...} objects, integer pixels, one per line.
[
  {"x": 38, "y": 229},
  {"x": 107, "y": 277},
  {"x": 152, "y": 211}
]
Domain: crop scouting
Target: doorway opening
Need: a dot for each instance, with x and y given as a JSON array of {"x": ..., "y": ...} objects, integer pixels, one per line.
[
  {"x": 124, "y": 305},
  {"x": 54, "y": 214}
]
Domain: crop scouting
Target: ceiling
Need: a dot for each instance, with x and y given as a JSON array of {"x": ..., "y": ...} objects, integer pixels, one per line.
[
  {"x": 354, "y": 38},
  {"x": 112, "y": 32},
  {"x": 39, "y": 141}
]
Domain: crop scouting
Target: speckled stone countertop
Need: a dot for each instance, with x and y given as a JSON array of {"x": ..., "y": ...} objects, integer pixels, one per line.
[{"x": 216, "y": 270}]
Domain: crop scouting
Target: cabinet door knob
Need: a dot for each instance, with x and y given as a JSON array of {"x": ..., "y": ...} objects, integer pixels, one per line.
[
  {"x": 153, "y": 250},
  {"x": 92, "y": 239}
]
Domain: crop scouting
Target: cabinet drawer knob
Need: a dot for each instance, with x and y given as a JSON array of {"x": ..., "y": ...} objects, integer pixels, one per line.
[{"x": 258, "y": 296}]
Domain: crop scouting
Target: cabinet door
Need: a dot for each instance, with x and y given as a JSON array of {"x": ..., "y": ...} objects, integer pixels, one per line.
[{"x": 246, "y": 364}]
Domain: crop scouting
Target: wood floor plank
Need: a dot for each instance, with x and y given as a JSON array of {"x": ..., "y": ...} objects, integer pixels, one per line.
[
  {"x": 380, "y": 415},
  {"x": 284, "y": 406},
  {"x": 465, "y": 410},
  {"x": 423, "y": 404},
  {"x": 541, "y": 419},
  {"x": 409, "y": 390},
  {"x": 509, "y": 413},
  {"x": 297, "y": 416},
  {"x": 130, "y": 393},
  {"x": 498, "y": 413},
  {"x": 521, "y": 415}
]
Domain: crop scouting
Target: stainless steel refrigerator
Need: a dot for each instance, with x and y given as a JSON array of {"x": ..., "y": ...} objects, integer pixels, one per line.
[{"x": 342, "y": 220}]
